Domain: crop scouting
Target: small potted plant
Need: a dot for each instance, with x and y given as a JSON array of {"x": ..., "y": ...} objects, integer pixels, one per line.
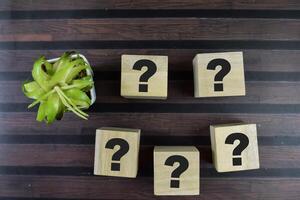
[{"x": 60, "y": 85}]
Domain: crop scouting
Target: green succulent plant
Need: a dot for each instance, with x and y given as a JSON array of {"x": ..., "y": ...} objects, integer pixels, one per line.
[{"x": 59, "y": 87}]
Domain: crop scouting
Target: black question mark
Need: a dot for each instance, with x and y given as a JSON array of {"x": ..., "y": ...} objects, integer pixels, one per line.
[
  {"x": 212, "y": 65},
  {"x": 244, "y": 142},
  {"x": 124, "y": 148},
  {"x": 151, "y": 69},
  {"x": 183, "y": 165}
]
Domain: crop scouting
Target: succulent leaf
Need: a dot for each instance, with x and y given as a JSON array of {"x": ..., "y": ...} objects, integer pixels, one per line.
[
  {"x": 54, "y": 108},
  {"x": 39, "y": 74},
  {"x": 79, "y": 97},
  {"x": 32, "y": 90},
  {"x": 41, "y": 112}
]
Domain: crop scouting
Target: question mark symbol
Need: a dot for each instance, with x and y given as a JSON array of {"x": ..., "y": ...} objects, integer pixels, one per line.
[
  {"x": 183, "y": 165},
  {"x": 225, "y": 69},
  {"x": 124, "y": 148},
  {"x": 151, "y": 69},
  {"x": 244, "y": 141}
]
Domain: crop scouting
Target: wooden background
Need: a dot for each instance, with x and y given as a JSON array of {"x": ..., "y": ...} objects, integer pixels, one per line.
[{"x": 56, "y": 162}]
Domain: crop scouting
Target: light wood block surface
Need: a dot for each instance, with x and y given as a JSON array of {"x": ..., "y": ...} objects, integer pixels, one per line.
[
  {"x": 176, "y": 170},
  {"x": 144, "y": 76},
  {"x": 234, "y": 147},
  {"x": 116, "y": 152},
  {"x": 219, "y": 74}
]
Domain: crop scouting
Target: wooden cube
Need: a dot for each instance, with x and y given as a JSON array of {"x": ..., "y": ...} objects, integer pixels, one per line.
[
  {"x": 234, "y": 147},
  {"x": 219, "y": 74},
  {"x": 176, "y": 170},
  {"x": 144, "y": 76},
  {"x": 116, "y": 152}
]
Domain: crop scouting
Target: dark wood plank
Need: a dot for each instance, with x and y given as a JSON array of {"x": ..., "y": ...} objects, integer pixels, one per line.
[
  {"x": 46, "y": 155},
  {"x": 110, "y": 60},
  {"x": 150, "y": 29},
  {"x": 142, "y": 188},
  {"x": 178, "y": 92},
  {"x": 59, "y": 155},
  {"x": 183, "y": 92},
  {"x": 148, "y": 4},
  {"x": 152, "y": 124}
]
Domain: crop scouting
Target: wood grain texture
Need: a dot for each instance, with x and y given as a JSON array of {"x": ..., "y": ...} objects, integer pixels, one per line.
[
  {"x": 148, "y": 4},
  {"x": 152, "y": 124},
  {"x": 97, "y": 188},
  {"x": 56, "y": 162},
  {"x": 71, "y": 155},
  {"x": 152, "y": 29},
  {"x": 181, "y": 91},
  {"x": 110, "y": 59}
]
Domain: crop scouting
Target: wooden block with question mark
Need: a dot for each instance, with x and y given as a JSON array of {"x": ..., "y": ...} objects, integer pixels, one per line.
[
  {"x": 116, "y": 152},
  {"x": 176, "y": 170},
  {"x": 234, "y": 147},
  {"x": 144, "y": 76},
  {"x": 219, "y": 74}
]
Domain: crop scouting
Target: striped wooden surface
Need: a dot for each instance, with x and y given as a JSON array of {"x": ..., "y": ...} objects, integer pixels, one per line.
[{"x": 56, "y": 162}]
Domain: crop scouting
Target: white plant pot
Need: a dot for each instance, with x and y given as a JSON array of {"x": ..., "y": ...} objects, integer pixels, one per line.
[{"x": 88, "y": 72}]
